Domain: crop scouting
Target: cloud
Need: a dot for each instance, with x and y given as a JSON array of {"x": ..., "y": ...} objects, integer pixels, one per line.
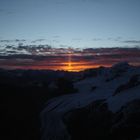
[
  {"x": 96, "y": 39},
  {"x": 107, "y": 57},
  {"x": 19, "y": 40},
  {"x": 132, "y": 41},
  {"x": 64, "y": 46},
  {"x": 56, "y": 36},
  {"x": 38, "y": 40},
  {"x": 108, "y": 39},
  {"x": 13, "y": 40},
  {"x": 77, "y": 39},
  {"x": 55, "y": 41},
  {"x": 114, "y": 39},
  {"x": 97, "y": 57}
]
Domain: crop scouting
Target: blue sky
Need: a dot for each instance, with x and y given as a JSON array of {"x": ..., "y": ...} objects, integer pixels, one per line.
[{"x": 72, "y": 23}]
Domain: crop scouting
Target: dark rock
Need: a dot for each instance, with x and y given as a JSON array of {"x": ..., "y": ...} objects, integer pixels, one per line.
[
  {"x": 91, "y": 122},
  {"x": 133, "y": 82},
  {"x": 126, "y": 122}
]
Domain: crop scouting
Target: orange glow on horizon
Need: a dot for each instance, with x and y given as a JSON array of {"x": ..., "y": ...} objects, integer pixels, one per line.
[
  {"x": 72, "y": 66},
  {"x": 70, "y": 63}
]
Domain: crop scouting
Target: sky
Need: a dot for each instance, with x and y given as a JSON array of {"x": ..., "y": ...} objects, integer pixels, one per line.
[
  {"x": 45, "y": 34},
  {"x": 71, "y": 23}
]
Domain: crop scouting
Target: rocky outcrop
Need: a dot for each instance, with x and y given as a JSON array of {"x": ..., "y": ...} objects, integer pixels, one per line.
[
  {"x": 126, "y": 122},
  {"x": 96, "y": 122},
  {"x": 91, "y": 122},
  {"x": 133, "y": 82}
]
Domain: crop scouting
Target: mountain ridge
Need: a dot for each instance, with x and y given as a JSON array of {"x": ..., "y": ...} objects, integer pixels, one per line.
[{"x": 103, "y": 86}]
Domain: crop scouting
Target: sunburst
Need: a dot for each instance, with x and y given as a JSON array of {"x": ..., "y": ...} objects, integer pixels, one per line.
[{"x": 69, "y": 68}]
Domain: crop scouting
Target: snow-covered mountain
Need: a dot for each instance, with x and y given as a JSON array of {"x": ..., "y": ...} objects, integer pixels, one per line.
[{"x": 106, "y": 103}]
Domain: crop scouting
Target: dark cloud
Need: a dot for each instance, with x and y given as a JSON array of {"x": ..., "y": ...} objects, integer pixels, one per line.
[
  {"x": 12, "y": 41},
  {"x": 87, "y": 59},
  {"x": 19, "y": 40},
  {"x": 65, "y": 46},
  {"x": 38, "y": 40},
  {"x": 114, "y": 39},
  {"x": 56, "y": 36},
  {"x": 132, "y": 41}
]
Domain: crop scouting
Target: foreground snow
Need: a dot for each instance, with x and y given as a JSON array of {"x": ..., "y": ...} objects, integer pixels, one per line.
[{"x": 106, "y": 84}]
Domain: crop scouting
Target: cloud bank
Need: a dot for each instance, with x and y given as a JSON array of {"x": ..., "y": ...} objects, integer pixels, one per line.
[{"x": 76, "y": 60}]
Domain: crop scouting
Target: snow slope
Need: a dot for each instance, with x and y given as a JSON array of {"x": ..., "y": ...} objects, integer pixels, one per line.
[{"x": 106, "y": 84}]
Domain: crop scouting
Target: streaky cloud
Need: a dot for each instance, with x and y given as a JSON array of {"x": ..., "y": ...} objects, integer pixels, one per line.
[{"x": 132, "y": 41}]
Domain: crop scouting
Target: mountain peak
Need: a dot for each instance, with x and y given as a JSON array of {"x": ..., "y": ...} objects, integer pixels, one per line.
[{"x": 122, "y": 66}]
